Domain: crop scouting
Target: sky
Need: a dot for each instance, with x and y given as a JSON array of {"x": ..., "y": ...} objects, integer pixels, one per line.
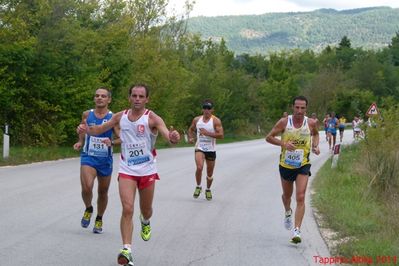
[{"x": 256, "y": 7}]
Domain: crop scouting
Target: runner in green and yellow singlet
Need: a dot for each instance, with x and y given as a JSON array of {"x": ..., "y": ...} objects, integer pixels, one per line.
[{"x": 299, "y": 136}]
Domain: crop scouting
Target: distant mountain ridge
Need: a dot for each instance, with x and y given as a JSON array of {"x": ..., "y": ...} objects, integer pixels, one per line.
[{"x": 370, "y": 28}]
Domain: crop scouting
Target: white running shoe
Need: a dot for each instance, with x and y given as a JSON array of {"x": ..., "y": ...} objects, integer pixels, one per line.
[
  {"x": 296, "y": 236},
  {"x": 288, "y": 220}
]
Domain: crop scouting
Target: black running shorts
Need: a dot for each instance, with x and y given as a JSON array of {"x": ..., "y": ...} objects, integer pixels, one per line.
[
  {"x": 209, "y": 155},
  {"x": 291, "y": 174}
]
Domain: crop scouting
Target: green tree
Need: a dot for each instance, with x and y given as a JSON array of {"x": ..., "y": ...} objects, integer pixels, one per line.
[{"x": 394, "y": 49}]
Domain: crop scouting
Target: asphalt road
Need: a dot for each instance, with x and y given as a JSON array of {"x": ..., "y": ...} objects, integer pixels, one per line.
[{"x": 41, "y": 208}]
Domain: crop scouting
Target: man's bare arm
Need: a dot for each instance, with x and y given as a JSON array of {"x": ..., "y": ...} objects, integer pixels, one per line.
[
  {"x": 277, "y": 130},
  {"x": 315, "y": 137},
  {"x": 78, "y": 145},
  {"x": 192, "y": 129},
  {"x": 171, "y": 136},
  {"x": 98, "y": 129}
]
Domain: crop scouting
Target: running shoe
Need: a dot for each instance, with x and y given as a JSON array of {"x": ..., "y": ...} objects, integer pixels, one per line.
[
  {"x": 208, "y": 194},
  {"x": 296, "y": 236},
  {"x": 125, "y": 257},
  {"x": 288, "y": 220},
  {"x": 85, "y": 219},
  {"x": 145, "y": 230},
  {"x": 197, "y": 192},
  {"x": 98, "y": 227}
]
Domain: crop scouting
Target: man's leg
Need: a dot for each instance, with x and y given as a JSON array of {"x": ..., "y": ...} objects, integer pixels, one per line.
[
  {"x": 286, "y": 198},
  {"x": 301, "y": 184},
  {"x": 210, "y": 166},
  {"x": 87, "y": 176},
  {"x": 334, "y": 137},
  {"x": 288, "y": 187},
  {"x": 199, "y": 161},
  {"x": 146, "y": 199},
  {"x": 102, "y": 200},
  {"x": 127, "y": 193}
]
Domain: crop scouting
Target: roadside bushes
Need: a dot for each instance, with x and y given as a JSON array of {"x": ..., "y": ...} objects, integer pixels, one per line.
[{"x": 380, "y": 152}]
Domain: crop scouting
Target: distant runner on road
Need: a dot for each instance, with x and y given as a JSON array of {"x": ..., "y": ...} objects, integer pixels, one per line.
[{"x": 207, "y": 128}]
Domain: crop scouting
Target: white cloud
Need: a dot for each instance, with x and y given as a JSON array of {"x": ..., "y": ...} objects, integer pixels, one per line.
[{"x": 249, "y": 7}]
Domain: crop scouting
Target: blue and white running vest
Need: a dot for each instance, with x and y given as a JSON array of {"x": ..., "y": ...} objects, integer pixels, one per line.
[{"x": 94, "y": 146}]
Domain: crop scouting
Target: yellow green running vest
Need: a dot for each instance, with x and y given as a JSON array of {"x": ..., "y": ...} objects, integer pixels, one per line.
[{"x": 300, "y": 137}]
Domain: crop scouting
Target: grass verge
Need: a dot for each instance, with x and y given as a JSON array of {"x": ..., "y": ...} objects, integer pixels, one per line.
[{"x": 366, "y": 223}]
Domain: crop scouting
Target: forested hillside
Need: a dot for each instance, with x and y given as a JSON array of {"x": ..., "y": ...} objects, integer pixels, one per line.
[
  {"x": 54, "y": 54},
  {"x": 369, "y": 28}
]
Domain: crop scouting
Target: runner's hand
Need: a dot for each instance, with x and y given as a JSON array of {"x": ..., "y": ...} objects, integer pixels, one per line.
[
  {"x": 316, "y": 150},
  {"x": 174, "y": 137},
  {"x": 77, "y": 146},
  {"x": 82, "y": 128}
]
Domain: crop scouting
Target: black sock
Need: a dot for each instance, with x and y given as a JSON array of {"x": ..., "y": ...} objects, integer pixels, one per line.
[
  {"x": 89, "y": 209},
  {"x": 99, "y": 218}
]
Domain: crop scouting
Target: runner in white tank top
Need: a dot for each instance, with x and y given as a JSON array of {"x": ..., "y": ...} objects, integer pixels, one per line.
[
  {"x": 204, "y": 142},
  {"x": 137, "y": 158},
  {"x": 207, "y": 128},
  {"x": 139, "y": 128}
]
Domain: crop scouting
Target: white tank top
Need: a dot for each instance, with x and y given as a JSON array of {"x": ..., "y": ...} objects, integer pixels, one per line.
[
  {"x": 137, "y": 146},
  {"x": 205, "y": 143},
  {"x": 356, "y": 125}
]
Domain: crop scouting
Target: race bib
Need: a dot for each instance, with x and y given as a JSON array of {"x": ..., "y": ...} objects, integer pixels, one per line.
[
  {"x": 205, "y": 143},
  {"x": 294, "y": 158},
  {"x": 135, "y": 154},
  {"x": 97, "y": 147}
]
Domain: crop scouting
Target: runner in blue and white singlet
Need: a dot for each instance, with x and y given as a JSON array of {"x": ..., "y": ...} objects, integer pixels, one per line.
[
  {"x": 96, "y": 158},
  {"x": 95, "y": 152}
]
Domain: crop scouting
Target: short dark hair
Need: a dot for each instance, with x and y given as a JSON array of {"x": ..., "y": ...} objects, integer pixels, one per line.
[
  {"x": 142, "y": 85},
  {"x": 207, "y": 101},
  {"x": 108, "y": 90},
  {"x": 301, "y": 98}
]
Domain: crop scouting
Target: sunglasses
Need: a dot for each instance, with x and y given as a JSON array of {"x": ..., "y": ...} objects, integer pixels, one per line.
[{"x": 206, "y": 107}]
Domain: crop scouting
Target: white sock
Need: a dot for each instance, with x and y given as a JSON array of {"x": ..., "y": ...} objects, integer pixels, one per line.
[
  {"x": 144, "y": 221},
  {"x": 128, "y": 247}
]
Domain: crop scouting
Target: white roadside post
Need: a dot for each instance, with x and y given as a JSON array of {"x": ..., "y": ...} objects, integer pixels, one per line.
[
  {"x": 334, "y": 162},
  {"x": 6, "y": 143}
]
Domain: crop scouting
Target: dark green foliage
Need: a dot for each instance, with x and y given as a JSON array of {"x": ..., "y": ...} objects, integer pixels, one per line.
[{"x": 54, "y": 54}]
